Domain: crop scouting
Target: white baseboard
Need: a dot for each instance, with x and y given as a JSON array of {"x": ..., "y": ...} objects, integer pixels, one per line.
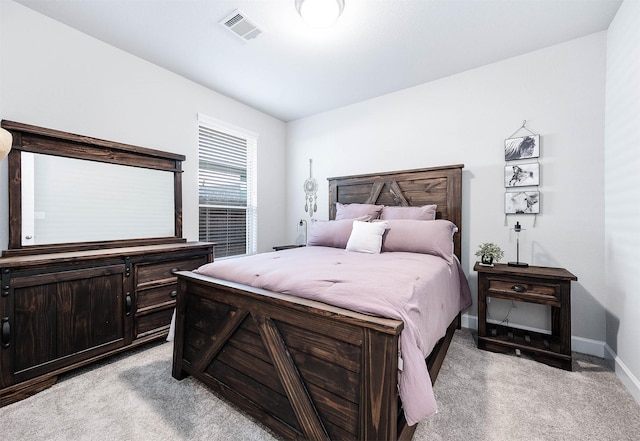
[
  {"x": 587, "y": 346},
  {"x": 584, "y": 346},
  {"x": 624, "y": 374},
  {"x": 469, "y": 321}
]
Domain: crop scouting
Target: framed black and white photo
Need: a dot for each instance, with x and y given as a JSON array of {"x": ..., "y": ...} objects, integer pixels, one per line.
[
  {"x": 521, "y": 175},
  {"x": 523, "y": 147},
  {"x": 522, "y": 202}
]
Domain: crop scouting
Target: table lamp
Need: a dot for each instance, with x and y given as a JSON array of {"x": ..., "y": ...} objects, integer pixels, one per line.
[{"x": 518, "y": 228}]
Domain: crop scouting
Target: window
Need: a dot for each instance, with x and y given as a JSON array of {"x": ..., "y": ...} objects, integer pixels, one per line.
[{"x": 227, "y": 187}]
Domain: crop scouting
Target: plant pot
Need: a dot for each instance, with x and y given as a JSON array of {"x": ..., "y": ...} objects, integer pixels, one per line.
[{"x": 487, "y": 260}]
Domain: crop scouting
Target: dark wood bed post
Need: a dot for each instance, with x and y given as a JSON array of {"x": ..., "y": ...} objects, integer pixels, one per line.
[{"x": 379, "y": 421}]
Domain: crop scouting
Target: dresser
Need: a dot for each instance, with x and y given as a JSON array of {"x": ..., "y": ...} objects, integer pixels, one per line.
[
  {"x": 95, "y": 240},
  {"x": 60, "y": 311}
]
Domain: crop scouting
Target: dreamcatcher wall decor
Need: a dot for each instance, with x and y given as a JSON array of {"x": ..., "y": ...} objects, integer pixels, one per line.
[
  {"x": 521, "y": 175},
  {"x": 310, "y": 191}
]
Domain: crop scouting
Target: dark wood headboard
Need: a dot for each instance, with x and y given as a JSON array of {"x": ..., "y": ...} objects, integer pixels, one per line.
[{"x": 435, "y": 185}]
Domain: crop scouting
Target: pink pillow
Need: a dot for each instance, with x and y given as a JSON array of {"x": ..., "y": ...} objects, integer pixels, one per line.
[
  {"x": 416, "y": 236},
  {"x": 426, "y": 212},
  {"x": 353, "y": 211},
  {"x": 330, "y": 233}
]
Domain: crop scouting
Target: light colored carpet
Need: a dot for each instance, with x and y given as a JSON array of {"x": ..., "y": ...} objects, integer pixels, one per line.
[
  {"x": 481, "y": 396},
  {"x": 487, "y": 396}
]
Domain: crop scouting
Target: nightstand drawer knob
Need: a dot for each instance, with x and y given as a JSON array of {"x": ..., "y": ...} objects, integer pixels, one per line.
[{"x": 518, "y": 288}]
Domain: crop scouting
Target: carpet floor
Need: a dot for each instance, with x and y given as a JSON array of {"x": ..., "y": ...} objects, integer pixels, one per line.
[{"x": 481, "y": 396}]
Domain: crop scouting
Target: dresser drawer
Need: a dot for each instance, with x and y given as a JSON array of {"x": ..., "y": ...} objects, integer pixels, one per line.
[
  {"x": 147, "y": 273},
  {"x": 525, "y": 290},
  {"x": 157, "y": 295},
  {"x": 155, "y": 321}
]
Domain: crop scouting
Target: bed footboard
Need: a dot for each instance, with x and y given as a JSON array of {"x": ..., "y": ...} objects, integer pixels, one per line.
[{"x": 304, "y": 369}]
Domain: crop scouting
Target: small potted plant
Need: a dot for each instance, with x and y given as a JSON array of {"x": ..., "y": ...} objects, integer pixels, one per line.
[{"x": 489, "y": 252}]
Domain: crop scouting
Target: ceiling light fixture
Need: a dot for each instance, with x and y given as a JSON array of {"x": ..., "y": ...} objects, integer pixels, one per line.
[{"x": 320, "y": 13}]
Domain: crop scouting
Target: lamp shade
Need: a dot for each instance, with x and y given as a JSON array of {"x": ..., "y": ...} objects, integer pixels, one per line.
[
  {"x": 5, "y": 142},
  {"x": 320, "y": 13}
]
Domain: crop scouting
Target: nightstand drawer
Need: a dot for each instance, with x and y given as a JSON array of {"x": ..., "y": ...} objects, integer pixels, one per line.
[{"x": 525, "y": 290}]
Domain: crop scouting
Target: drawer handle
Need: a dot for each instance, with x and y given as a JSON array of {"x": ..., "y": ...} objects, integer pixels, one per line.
[
  {"x": 173, "y": 294},
  {"x": 128, "y": 304},
  {"x": 518, "y": 288},
  {"x": 6, "y": 332}
]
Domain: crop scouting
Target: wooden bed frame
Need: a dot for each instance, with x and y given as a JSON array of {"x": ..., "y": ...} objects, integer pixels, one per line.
[{"x": 305, "y": 369}]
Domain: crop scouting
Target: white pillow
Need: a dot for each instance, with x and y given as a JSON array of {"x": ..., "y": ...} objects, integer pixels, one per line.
[{"x": 366, "y": 237}]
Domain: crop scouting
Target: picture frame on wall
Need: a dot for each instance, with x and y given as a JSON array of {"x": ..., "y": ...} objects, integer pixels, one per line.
[
  {"x": 522, "y": 202},
  {"x": 523, "y": 147},
  {"x": 521, "y": 175}
]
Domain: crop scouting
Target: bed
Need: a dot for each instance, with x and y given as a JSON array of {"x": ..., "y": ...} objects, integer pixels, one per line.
[{"x": 305, "y": 368}]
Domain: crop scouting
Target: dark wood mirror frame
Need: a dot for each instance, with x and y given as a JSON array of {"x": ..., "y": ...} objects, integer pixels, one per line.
[{"x": 28, "y": 138}]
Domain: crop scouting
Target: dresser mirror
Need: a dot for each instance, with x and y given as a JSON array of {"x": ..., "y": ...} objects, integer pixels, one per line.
[{"x": 69, "y": 192}]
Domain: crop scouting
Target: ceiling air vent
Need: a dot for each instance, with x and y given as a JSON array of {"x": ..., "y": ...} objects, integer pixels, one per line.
[{"x": 241, "y": 26}]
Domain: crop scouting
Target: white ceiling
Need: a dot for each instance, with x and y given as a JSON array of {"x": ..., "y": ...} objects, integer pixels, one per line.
[{"x": 291, "y": 71}]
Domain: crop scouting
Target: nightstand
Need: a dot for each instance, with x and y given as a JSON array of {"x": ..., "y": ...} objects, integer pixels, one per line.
[{"x": 533, "y": 284}]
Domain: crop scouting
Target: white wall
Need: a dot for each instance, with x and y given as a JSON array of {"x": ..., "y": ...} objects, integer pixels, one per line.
[
  {"x": 465, "y": 119},
  {"x": 4, "y": 197},
  {"x": 56, "y": 77},
  {"x": 622, "y": 190}
]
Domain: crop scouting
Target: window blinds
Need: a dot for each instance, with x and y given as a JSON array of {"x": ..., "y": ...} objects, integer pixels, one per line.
[{"x": 227, "y": 187}]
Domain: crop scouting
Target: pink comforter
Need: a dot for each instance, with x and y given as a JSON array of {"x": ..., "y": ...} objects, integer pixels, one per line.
[{"x": 422, "y": 290}]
